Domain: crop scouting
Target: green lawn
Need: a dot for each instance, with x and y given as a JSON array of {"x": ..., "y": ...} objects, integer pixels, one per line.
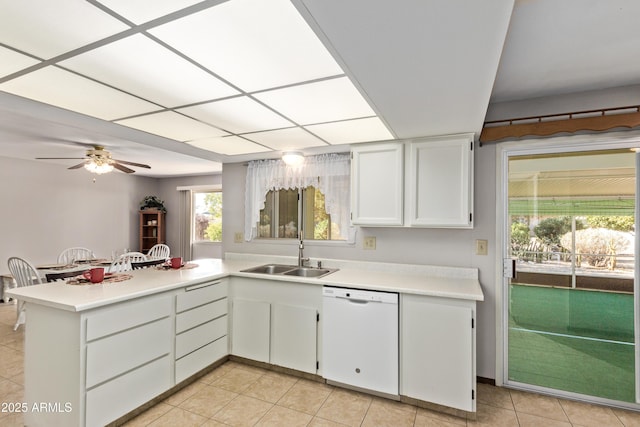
[{"x": 573, "y": 340}]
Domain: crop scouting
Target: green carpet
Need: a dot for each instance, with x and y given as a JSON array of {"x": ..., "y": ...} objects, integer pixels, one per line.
[{"x": 573, "y": 340}]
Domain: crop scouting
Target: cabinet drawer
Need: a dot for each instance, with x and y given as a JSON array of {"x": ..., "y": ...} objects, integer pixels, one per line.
[
  {"x": 127, "y": 315},
  {"x": 197, "y": 337},
  {"x": 199, "y": 315},
  {"x": 200, "y": 294},
  {"x": 201, "y": 358},
  {"x": 112, "y": 400},
  {"x": 116, "y": 354}
]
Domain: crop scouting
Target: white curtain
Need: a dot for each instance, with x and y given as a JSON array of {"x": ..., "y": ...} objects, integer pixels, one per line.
[
  {"x": 329, "y": 173},
  {"x": 184, "y": 221}
]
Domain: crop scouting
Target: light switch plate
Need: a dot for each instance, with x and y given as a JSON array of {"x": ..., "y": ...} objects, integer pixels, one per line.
[
  {"x": 482, "y": 247},
  {"x": 369, "y": 242},
  {"x": 238, "y": 237}
]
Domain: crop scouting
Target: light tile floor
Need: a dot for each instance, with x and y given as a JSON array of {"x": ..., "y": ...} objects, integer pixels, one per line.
[{"x": 235, "y": 394}]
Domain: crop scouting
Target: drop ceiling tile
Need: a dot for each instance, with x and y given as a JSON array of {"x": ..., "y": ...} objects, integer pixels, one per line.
[
  {"x": 286, "y": 139},
  {"x": 57, "y": 27},
  {"x": 143, "y": 67},
  {"x": 253, "y": 44},
  {"x": 172, "y": 125},
  {"x": 352, "y": 131},
  {"x": 64, "y": 89},
  {"x": 141, "y": 11},
  {"x": 324, "y": 101},
  {"x": 237, "y": 115},
  {"x": 11, "y": 61},
  {"x": 229, "y": 145}
]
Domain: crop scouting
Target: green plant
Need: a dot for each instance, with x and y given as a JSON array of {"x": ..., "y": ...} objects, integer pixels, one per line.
[
  {"x": 549, "y": 230},
  {"x": 520, "y": 237},
  {"x": 612, "y": 222},
  {"x": 152, "y": 202}
]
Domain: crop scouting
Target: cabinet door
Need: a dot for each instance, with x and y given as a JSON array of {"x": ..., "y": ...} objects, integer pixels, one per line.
[
  {"x": 438, "y": 352},
  {"x": 250, "y": 329},
  {"x": 294, "y": 337},
  {"x": 377, "y": 184},
  {"x": 440, "y": 182}
]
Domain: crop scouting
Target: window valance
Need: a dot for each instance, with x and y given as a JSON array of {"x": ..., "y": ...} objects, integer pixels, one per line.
[{"x": 329, "y": 173}]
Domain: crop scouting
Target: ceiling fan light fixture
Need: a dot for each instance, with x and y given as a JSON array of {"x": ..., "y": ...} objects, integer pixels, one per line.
[
  {"x": 293, "y": 158},
  {"x": 98, "y": 168}
]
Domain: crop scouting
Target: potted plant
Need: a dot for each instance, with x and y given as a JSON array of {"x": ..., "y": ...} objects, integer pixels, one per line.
[{"x": 152, "y": 202}]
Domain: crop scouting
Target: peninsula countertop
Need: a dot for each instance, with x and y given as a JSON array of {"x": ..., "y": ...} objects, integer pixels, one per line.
[{"x": 447, "y": 282}]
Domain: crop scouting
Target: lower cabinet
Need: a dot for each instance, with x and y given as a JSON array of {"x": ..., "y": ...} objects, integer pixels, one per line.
[
  {"x": 251, "y": 329},
  {"x": 437, "y": 354},
  {"x": 93, "y": 367},
  {"x": 276, "y": 322},
  {"x": 294, "y": 337},
  {"x": 201, "y": 327}
]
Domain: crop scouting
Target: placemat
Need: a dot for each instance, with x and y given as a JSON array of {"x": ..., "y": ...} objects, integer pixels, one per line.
[
  {"x": 112, "y": 278},
  {"x": 186, "y": 266}
]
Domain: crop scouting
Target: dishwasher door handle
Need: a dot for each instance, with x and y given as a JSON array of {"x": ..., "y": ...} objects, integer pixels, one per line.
[{"x": 355, "y": 300}]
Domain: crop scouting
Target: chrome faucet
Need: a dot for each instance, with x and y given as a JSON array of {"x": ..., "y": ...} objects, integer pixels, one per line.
[{"x": 301, "y": 259}]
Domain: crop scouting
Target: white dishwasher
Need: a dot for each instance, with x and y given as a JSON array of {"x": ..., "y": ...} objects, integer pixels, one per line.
[{"x": 360, "y": 338}]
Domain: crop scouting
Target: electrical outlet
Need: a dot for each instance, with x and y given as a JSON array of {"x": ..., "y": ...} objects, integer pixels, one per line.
[
  {"x": 369, "y": 242},
  {"x": 238, "y": 237},
  {"x": 482, "y": 247}
]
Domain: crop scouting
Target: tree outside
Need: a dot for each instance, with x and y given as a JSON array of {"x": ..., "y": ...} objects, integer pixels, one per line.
[{"x": 208, "y": 217}]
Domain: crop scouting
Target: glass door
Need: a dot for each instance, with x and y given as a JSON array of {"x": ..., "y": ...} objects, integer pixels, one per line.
[{"x": 571, "y": 230}]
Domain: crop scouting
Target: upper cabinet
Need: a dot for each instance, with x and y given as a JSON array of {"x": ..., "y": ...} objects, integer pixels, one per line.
[
  {"x": 377, "y": 177},
  {"x": 440, "y": 182},
  {"x": 426, "y": 182}
]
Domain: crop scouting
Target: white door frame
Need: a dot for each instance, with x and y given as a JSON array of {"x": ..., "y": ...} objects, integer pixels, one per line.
[{"x": 612, "y": 140}]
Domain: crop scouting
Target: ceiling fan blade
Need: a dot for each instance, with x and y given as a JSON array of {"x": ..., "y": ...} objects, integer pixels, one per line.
[
  {"x": 122, "y": 168},
  {"x": 140, "y": 165},
  {"x": 78, "y": 166},
  {"x": 60, "y": 158}
]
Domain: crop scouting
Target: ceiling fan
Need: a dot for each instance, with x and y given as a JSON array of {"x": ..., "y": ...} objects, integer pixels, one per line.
[{"x": 99, "y": 161}]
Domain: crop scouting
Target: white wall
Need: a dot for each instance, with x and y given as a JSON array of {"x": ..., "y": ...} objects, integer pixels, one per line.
[
  {"x": 47, "y": 208},
  {"x": 402, "y": 245}
]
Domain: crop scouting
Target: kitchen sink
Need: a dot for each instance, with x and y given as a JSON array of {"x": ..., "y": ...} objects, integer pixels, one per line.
[
  {"x": 290, "y": 270},
  {"x": 309, "y": 272},
  {"x": 270, "y": 269}
]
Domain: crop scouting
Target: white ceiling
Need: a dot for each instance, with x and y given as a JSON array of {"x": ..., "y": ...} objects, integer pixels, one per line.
[{"x": 186, "y": 85}]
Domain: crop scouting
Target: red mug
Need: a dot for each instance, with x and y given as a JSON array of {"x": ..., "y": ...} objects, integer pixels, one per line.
[
  {"x": 95, "y": 275},
  {"x": 176, "y": 262}
]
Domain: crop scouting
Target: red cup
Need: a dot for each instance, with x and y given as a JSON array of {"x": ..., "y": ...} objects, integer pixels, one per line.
[
  {"x": 176, "y": 262},
  {"x": 95, "y": 275}
]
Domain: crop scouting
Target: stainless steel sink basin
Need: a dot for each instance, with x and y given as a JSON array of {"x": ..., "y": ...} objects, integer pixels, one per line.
[
  {"x": 290, "y": 270},
  {"x": 270, "y": 269},
  {"x": 309, "y": 272}
]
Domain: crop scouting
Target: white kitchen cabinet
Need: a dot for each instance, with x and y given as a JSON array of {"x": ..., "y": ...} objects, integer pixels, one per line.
[
  {"x": 377, "y": 184},
  {"x": 426, "y": 182},
  {"x": 294, "y": 337},
  {"x": 201, "y": 327},
  {"x": 440, "y": 182},
  {"x": 276, "y": 322},
  {"x": 251, "y": 329},
  {"x": 97, "y": 365},
  {"x": 437, "y": 347}
]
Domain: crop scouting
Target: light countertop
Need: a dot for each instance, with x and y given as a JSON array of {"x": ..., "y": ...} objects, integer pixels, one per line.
[{"x": 447, "y": 282}]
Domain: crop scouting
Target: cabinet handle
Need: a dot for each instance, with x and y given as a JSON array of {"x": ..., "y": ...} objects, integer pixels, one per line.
[{"x": 200, "y": 286}]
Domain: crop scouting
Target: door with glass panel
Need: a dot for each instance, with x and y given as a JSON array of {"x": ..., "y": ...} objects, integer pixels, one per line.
[{"x": 570, "y": 315}]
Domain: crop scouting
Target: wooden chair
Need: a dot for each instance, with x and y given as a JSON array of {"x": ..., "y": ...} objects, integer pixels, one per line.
[
  {"x": 69, "y": 255},
  {"x": 159, "y": 251},
  {"x": 147, "y": 264},
  {"x": 25, "y": 274},
  {"x": 124, "y": 261},
  {"x": 54, "y": 277}
]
